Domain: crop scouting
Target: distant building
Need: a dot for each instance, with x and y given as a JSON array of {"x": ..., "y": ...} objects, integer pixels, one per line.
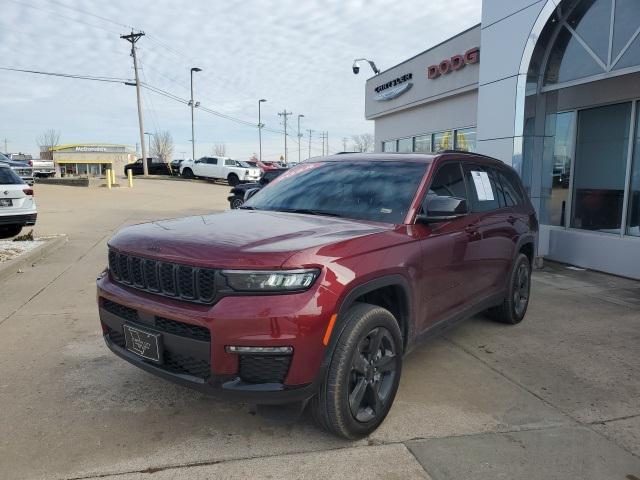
[{"x": 91, "y": 159}]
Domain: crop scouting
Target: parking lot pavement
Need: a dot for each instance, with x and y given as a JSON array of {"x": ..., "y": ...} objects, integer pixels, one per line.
[{"x": 555, "y": 397}]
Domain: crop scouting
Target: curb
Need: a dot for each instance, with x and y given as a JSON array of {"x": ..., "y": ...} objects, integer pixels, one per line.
[{"x": 12, "y": 266}]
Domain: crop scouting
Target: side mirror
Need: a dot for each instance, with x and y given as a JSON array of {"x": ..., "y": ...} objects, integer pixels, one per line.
[
  {"x": 250, "y": 193},
  {"x": 441, "y": 209}
]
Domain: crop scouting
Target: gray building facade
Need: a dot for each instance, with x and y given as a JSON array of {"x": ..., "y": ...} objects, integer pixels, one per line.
[{"x": 550, "y": 87}]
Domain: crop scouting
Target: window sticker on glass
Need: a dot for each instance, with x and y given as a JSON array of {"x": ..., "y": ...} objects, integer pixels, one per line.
[{"x": 483, "y": 186}]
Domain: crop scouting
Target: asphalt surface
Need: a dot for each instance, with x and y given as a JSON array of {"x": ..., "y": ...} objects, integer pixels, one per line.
[{"x": 557, "y": 396}]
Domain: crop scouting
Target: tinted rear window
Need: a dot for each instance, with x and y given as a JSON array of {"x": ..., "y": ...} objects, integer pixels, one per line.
[{"x": 8, "y": 177}]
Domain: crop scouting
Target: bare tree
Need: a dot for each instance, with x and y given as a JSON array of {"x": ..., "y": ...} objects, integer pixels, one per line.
[
  {"x": 220, "y": 150},
  {"x": 162, "y": 146},
  {"x": 362, "y": 142},
  {"x": 47, "y": 141}
]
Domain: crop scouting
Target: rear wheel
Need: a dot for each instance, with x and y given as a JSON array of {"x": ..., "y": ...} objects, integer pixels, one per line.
[
  {"x": 363, "y": 375},
  {"x": 236, "y": 202},
  {"x": 188, "y": 173},
  {"x": 515, "y": 304},
  {"x": 8, "y": 231},
  {"x": 233, "y": 179}
]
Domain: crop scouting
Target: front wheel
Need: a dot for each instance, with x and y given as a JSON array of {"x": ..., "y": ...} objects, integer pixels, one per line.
[
  {"x": 515, "y": 304},
  {"x": 233, "y": 179},
  {"x": 236, "y": 202},
  {"x": 188, "y": 173},
  {"x": 363, "y": 376}
]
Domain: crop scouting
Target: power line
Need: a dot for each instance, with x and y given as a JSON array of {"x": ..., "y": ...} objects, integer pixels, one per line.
[{"x": 69, "y": 75}]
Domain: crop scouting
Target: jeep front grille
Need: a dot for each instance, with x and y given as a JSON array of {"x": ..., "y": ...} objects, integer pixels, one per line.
[{"x": 183, "y": 282}]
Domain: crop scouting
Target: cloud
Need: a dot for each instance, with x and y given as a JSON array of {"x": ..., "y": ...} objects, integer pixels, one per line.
[{"x": 296, "y": 54}]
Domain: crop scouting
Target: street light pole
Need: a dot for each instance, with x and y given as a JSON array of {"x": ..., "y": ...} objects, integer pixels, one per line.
[
  {"x": 193, "y": 139},
  {"x": 299, "y": 136},
  {"x": 260, "y": 126}
]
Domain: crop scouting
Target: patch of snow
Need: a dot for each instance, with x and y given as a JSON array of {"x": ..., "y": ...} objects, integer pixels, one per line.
[{"x": 10, "y": 249}]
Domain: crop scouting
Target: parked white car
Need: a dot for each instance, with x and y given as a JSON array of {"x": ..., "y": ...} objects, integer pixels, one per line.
[
  {"x": 17, "y": 205},
  {"x": 223, "y": 168}
]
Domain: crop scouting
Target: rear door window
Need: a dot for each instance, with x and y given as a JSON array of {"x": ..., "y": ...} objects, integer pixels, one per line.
[
  {"x": 511, "y": 187},
  {"x": 483, "y": 193}
]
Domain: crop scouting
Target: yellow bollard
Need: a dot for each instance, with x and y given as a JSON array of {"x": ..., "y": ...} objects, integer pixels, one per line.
[
  {"x": 130, "y": 177},
  {"x": 109, "y": 179},
  {"x": 113, "y": 176}
]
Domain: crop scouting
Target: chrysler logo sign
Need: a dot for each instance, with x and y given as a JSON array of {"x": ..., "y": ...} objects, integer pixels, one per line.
[
  {"x": 454, "y": 63},
  {"x": 393, "y": 88}
]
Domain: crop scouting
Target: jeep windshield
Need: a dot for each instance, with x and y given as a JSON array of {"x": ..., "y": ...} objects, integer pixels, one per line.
[{"x": 364, "y": 190}]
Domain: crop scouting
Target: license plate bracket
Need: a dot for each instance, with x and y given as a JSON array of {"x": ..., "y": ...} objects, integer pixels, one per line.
[
  {"x": 144, "y": 343},
  {"x": 6, "y": 202}
]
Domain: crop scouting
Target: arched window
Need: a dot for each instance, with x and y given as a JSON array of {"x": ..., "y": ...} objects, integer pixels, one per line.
[{"x": 593, "y": 38}]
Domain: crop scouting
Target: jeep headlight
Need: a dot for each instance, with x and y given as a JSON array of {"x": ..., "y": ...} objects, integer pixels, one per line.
[{"x": 271, "y": 280}]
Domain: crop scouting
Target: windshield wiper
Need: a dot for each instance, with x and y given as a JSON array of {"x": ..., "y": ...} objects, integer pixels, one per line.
[{"x": 308, "y": 211}]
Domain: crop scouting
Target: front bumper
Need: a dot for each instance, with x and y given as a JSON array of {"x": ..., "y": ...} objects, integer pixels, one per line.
[
  {"x": 202, "y": 360},
  {"x": 19, "y": 219}
]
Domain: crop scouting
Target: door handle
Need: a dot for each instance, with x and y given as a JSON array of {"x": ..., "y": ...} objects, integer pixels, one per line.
[{"x": 472, "y": 232}]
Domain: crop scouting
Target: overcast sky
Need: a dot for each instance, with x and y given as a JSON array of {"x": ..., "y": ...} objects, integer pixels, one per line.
[{"x": 296, "y": 54}]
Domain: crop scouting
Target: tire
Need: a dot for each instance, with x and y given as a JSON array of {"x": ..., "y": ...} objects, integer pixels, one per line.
[
  {"x": 237, "y": 202},
  {"x": 515, "y": 304},
  {"x": 360, "y": 385},
  {"x": 188, "y": 173},
  {"x": 233, "y": 179},
  {"x": 8, "y": 231}
]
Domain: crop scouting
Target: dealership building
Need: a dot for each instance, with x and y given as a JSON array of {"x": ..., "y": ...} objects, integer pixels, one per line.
[
  {"x": 91, "y": 159},
  {"x": 550, "y": 87}
]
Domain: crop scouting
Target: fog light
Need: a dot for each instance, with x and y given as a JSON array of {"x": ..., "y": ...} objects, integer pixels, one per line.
[{"x": 258, "y": 350}]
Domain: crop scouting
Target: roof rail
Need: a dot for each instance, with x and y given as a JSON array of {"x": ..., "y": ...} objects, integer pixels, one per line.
[{"x": 463, "y": 152}]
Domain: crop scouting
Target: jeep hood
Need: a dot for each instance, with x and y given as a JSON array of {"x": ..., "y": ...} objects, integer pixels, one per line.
[{"x": 238, "y": 238}]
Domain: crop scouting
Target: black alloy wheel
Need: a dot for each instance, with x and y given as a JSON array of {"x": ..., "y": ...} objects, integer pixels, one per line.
[
  {"x": 373, "y": 371},
  {"x": 363, "y": 373},
  {"x": 237, "y": 202},
  {"x": 521, "y": 289},
  {"x": 514, "y": 307}
]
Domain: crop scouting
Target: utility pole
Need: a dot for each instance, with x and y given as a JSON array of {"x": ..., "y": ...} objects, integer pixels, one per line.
[
  {"x": 299, "y": 136},
  {"x": 262, "y": 100},
  {"x": 132, "y": 38},
  {"x": 326, "y": 137},
  {"x": 285, "y": 114},
  {"x": 6, "y": 149},
  {"x": 310, "y": 132},
  {"x": 193, "y": 105},
  {"x": 322, "y": 137},
  {"x": 344, "y": 143}
]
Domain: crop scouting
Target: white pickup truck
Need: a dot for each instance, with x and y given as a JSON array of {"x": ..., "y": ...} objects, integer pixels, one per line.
[{"x": 224, "y": 168}]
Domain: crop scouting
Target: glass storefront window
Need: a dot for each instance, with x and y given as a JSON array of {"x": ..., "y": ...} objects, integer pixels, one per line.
[
  {"x": 422, "y": 144},
  {"x": 442, "y": 141},
  {"x": 389, "y": 146},
  {"x": 405, "y": 145},
  {"x": 600, "y": 167},
  {"x": 466, "y": 139},
  {"x": 633, "y": 213},
  {"x": 556, "y": 167}
]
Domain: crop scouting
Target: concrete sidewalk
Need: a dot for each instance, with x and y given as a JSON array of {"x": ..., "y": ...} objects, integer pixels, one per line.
[{"x": 555, "y": 397}]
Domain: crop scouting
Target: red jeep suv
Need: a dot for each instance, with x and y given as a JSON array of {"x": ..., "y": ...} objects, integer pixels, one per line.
[{"x": 319, "y": 284}]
